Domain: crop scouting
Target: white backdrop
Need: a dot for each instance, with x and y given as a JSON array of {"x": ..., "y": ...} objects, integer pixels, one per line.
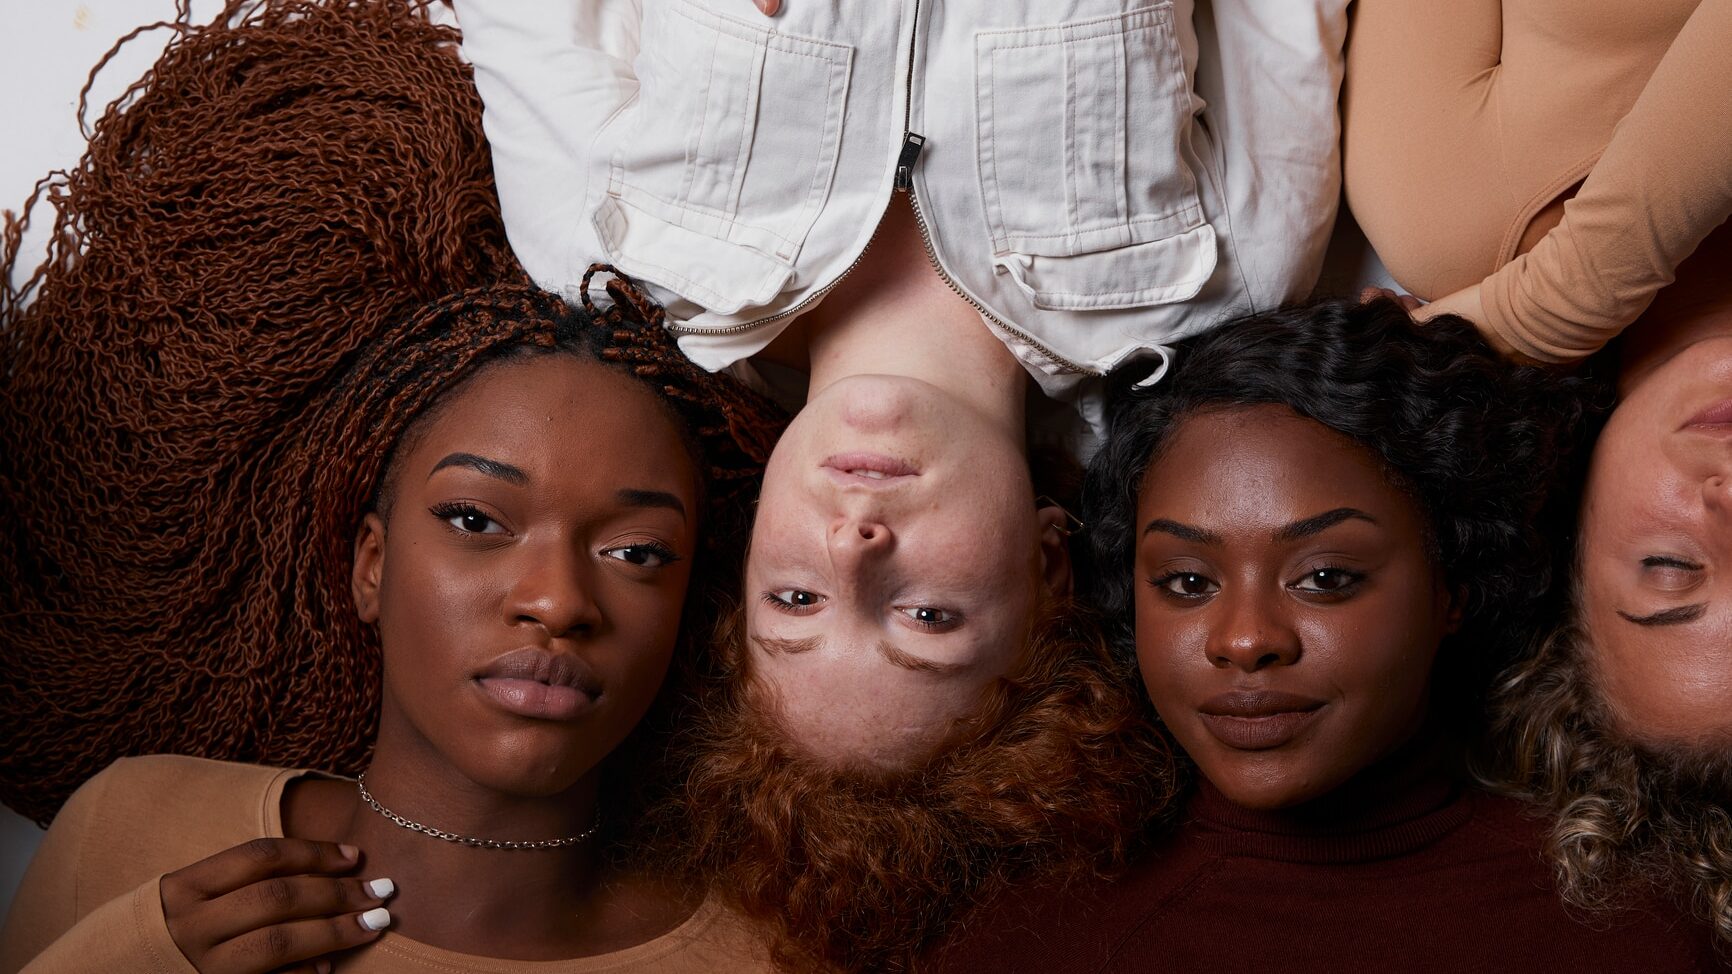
[{"x": 50, "y": 49}]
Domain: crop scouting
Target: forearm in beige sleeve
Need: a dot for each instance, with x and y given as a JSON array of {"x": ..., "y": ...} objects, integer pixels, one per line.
[
  {"x": 128, "y": 933},
  {"x": 1662, "y": 185}
]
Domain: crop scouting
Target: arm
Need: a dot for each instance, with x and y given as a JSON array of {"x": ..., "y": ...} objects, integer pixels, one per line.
[
  {"x": 124, "y": 934},
  {"x": 1662, "y": 185},
  {"x": 46, "y": 902},
  {"x": 550, "y": 73},
  {"x": 1270, "y": 73}
]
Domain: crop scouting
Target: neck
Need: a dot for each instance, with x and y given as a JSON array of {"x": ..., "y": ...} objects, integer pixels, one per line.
[
  {"x": 492, "y": 902},
  {"x": 893, "y": 315}
]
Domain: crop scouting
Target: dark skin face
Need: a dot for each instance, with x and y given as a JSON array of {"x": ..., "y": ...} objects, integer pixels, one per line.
[
  {"x": 541, "y": 530},
  {"x": 1287, "y": 611},
  {"x": 527, "y": 585}
]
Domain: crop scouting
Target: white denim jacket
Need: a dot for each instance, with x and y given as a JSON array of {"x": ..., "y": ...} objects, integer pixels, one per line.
[{"x": 1098, "y": 177}]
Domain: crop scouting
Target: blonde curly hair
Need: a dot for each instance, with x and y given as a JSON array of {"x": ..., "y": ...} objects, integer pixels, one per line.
[{"x": 1627, "y": 816}]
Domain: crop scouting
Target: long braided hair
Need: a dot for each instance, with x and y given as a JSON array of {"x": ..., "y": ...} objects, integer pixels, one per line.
[{"x": 261, "y": 212}]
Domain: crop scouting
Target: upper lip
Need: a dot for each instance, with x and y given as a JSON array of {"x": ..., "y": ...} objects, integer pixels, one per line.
[
  {"x": 1719, "y": 414},
  {"x": 543, "y": 666},
  {"x": 1257, "y": 703}
]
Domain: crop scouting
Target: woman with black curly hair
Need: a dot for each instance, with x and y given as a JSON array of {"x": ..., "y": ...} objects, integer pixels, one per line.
[{"x": 1316, "y": 536}]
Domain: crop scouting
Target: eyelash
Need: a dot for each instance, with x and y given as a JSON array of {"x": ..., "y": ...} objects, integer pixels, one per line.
[
  {"x": 1352, "y": 581},
  {"x": 656, "y": 548},
  {"x": 450, "y": 510},
  {"x": 445, "y": 512},
  {"x": 793, "y": 608},
  {"x": 1667, "y": 561},
  {"x": 953, "y": 619}
]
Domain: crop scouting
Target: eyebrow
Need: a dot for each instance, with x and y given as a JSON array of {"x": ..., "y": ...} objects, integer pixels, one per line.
[
  {"x": 1668, "y": 617},
  {"x": 1184, "y": 532},
  {"x": 1319, "y": 523},
  {"x": 1316, "y": 524},
  {"x": 895, "y": 655},
  {"x": 492, "y": 468},
  {"x": 909, "y": 661},
  {"x": 638, "y": 497},
  {"x": 788, "y": 647}
]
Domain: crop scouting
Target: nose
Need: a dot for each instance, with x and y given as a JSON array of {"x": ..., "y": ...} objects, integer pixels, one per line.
[
  {"x": 855, "y": 540},
  {"x": 1251, "y": 636},
  {"x": 553, "y": 591},
  {"x": 1717, "y": 494}
]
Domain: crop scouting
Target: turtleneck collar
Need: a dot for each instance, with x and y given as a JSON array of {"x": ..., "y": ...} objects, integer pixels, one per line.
[{"x": 1399, "y": 805}]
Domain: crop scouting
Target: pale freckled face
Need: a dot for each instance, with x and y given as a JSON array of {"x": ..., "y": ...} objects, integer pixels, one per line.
[{"x": 881, "y": 603}]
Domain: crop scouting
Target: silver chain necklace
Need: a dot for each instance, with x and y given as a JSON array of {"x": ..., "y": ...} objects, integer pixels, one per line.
[{"x": 373, "y": 803}]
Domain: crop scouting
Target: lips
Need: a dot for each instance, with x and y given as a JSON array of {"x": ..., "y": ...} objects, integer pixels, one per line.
[
  {"x": 1258, "y": 720},
  {"x": 535, "y": 683},
  {"x": 868, "y": 469},
  {"x": 1716, "y": 418}
]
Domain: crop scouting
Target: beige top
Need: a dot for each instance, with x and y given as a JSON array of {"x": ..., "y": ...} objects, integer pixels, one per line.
[
  {"x": 89, "y": 900},
  {"x": 1466, "y": 121}
]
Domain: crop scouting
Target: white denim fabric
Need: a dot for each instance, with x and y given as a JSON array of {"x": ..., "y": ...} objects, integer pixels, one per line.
[{"x": 1100, "y": 177}]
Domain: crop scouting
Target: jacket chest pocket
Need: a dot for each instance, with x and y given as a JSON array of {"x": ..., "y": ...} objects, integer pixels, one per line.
[
  {"x": 717, "y": 170},
  {"x": 1082, "y": 129}
]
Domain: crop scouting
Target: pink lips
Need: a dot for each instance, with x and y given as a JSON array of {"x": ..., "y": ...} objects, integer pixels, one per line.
[
  {"x": 1258, "y": 720},
  {"x": 533, "y": 682},
  {"x": 868, "y": 469},
  {"x": 1719, "y": 414}
]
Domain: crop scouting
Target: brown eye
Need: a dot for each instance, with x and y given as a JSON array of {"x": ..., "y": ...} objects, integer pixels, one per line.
[
  {"x": 1188, "y": 585},
  {"x": 467, "y": 519},
  {"x": 930, "y": 616},
  {"x": 1329, "y": 580},
  {"x": 794, "y": 600}
]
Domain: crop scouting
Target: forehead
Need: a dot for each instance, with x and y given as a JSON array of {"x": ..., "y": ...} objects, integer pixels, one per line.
[
  {"x": 560, "y": 418},
  {"x": 1263, "y": 465}
]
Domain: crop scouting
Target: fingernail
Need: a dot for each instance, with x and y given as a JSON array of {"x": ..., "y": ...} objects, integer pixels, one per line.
[
  {"x": 375, "y": 919},
  {"x": 381, "y": 888},
  {"x": 322, "y": 966},
  {"x": 349, "y": 852}
]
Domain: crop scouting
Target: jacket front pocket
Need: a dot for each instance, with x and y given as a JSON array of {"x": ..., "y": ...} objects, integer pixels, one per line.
[
  {"x": 1082, "y": 129},
  {"x": 732, "y": 141}
]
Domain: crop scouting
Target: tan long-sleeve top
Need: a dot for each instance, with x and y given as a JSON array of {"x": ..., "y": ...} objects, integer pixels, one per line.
[
  {"x": 1465, "y": 121},
  {"x": 89, "y": 900}
]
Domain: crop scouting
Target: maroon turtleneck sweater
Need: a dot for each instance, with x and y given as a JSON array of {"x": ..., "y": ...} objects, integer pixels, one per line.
[{"x": 1402, "y": 870}]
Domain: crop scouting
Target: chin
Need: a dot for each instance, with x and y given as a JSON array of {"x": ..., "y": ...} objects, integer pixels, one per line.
[{"x": 536, "y": 768}]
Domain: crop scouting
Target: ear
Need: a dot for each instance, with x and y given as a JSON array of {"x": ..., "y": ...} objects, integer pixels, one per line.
[
  {"x": 1454, "y": 606},
  {"x": 369, "y": 568},
  {"x": 1055, "y": 531}
]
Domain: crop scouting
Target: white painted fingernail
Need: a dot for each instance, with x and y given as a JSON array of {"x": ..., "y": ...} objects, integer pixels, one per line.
[
  {"x": 377, "y": 918},
  {"x": 381, "y": 888}
]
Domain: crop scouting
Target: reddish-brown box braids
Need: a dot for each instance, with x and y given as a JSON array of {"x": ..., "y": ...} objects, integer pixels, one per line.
[{"x": 278, "y": 196}]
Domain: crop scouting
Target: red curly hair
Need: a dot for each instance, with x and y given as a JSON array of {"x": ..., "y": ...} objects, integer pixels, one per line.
[{"x": 860, "y": 870}]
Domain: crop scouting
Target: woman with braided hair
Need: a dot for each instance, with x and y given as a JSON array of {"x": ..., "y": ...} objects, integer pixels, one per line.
[{"x": 499, "y": 509}]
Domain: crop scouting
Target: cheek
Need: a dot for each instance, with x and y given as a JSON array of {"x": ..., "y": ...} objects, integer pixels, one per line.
[
  {"x": 1169, "y": 644},
  {"x": 430, "y": 607}
]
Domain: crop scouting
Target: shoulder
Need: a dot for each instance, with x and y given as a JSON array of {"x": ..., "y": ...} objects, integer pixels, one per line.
[
  {"x": 171, "y": 789},
  {"x": 141, "y": 817}
]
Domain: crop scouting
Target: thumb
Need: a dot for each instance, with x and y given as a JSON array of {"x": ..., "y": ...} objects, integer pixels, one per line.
[{"x": 768, "y": 8}]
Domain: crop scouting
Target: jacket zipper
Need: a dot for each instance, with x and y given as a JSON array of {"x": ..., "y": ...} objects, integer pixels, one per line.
[{"x": 912, "y": 143}]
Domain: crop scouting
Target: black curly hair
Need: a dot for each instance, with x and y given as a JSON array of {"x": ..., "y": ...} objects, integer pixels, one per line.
[{"x": 1480, "y": 443}]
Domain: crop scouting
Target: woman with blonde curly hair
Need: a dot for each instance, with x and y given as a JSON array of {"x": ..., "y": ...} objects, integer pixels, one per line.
[{"x": 1629, "y": 816}]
